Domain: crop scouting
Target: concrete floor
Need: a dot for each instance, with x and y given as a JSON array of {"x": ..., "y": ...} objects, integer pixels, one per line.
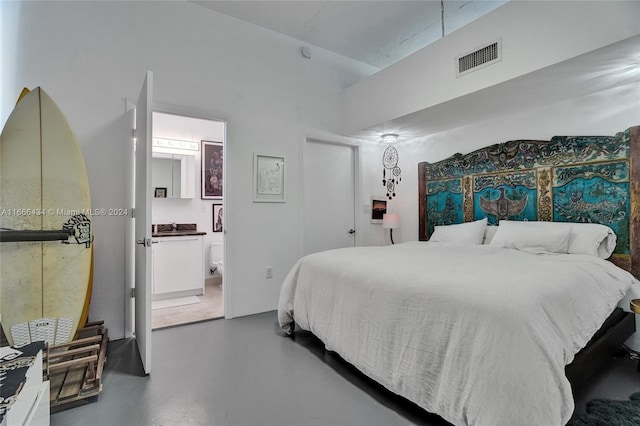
[{"x": 244, "y": 372}]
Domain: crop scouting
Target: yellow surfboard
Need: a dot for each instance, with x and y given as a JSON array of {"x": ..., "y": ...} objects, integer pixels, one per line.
[{"x": 44, "y": 193}]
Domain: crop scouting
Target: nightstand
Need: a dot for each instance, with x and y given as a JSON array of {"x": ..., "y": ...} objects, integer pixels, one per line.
[{"x": 634, "y": 305}]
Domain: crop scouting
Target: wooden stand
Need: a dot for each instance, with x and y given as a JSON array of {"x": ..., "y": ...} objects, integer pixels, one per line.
[{"x": 75, "y": 368}]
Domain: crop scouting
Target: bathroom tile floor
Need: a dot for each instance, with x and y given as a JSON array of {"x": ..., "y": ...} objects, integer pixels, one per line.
[{"x": 210, "y": 306}]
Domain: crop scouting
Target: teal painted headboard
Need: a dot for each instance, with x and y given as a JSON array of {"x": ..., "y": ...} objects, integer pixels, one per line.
[{"x": 567, "y": 179}]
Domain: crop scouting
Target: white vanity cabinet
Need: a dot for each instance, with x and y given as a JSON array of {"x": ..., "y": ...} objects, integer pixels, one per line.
[{"x": 177, "y": 266}]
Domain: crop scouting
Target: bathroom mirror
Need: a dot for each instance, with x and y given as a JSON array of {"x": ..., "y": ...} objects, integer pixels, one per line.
[{"x": 175, "y": 172}]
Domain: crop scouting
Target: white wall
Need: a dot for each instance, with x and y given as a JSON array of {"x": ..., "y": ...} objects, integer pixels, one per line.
[
  {"x": 602, "y": 113},
  {"x": 534, "y": 92},
  {"x": 90, "y": 55},
  {"x": 535, "y": 35},
  {"x": 371, "y": 153}
]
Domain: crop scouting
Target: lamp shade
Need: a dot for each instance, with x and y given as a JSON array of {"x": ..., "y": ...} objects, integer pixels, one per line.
[{"x": 390, "y": 221}]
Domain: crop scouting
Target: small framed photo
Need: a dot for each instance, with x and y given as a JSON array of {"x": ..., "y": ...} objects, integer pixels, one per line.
[
  {"x": 160, "y": 192},
  {"x": 268, "y": 178},
  {"x": 212, "y": 170},
  {"x": 378, "y": 208},
  {"x": 217, "y": 218}
]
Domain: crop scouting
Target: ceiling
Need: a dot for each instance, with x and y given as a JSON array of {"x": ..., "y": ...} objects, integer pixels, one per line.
[
  {"x": 615, "y": 65},
  {"x": 383, "y": 32},
  {"x": 378, "y": 32}
]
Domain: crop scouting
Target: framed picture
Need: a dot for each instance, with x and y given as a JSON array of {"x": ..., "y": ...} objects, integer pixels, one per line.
[
  {"x": 212, "y": 170},
  {"x": 378, "y": 208},
  {"x": 268, "y": 178},
  {"x": 217, "y": 218},
  {"x": 159, "y": 192}
]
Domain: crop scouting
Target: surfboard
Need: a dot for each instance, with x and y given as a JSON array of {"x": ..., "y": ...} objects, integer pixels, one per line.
[{"x": 44, "y": 188}]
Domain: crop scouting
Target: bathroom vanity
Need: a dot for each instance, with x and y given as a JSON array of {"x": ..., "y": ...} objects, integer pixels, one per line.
[{"x": 177, "y": 262}]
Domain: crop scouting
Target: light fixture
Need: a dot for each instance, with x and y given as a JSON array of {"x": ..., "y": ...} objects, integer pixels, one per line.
[
  {"x": 174, "y": 144},
  {"x": 389, "y": 138},
  {"x": 390, "y": 162},
  {"x": 390, "y": 221}
]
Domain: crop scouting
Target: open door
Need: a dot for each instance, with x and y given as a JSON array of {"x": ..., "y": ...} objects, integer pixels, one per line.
[
  {"x": 143, "y": 222},
  {"x": 129, "y": 226}
]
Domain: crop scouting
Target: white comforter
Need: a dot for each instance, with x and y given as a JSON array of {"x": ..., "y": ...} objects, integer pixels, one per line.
[{"x": 477, "y": 334}]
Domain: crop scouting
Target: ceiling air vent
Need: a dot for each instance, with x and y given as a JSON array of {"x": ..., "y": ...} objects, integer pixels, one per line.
[{"x": 479, "y": 58}]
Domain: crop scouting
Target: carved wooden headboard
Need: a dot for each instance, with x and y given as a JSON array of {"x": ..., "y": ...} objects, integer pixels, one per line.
[{"x": 567, "y": 179}]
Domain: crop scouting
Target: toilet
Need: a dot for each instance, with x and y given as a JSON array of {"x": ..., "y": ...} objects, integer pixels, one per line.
[{"x": 216, "y": 254}]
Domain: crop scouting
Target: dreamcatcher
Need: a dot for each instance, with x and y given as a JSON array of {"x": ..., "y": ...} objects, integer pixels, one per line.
[{"x": 391, "y": 177}]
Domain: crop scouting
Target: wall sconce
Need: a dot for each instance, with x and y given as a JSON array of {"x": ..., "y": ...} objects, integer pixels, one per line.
[
  {"x": 390, "y": 162},
  {"x": 390, "y": 221}
]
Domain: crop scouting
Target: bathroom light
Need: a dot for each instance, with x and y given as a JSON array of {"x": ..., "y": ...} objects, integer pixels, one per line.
[
  {"x": 176, "y": 144},
  {"x": 390, "y": 137}
]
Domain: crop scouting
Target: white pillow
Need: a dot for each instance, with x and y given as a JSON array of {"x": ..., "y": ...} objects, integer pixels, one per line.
[
  {"x": 471, "y": 233},
  {"x": 489, "y": 233},
  {"x": 532, "y": 239},
  {"x": 591, "y": 238},
  {"x": 584, "y": 238}
]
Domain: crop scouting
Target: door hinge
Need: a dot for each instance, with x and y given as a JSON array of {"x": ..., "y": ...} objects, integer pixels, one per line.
[
  {"x": 133, "y": 293},
  {"x": 133, "y": 212},
  {"x": 133, "y": 133}
]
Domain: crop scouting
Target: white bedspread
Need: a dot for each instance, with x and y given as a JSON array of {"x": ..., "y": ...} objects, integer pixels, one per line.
[{"x": 477, "y": 334}]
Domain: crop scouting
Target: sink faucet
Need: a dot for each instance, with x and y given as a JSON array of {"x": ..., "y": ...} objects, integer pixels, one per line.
[{"x": 174, "y": 226}]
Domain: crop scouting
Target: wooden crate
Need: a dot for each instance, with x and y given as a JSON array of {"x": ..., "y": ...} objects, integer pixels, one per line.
[{"x": 74, "y": 369}]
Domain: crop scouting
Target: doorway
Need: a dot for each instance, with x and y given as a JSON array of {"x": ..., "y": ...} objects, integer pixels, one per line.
[
  {"x": 187, "y": 175},
  {"x": 329, "y": 194},
  {"x": 140, "y": 195}
]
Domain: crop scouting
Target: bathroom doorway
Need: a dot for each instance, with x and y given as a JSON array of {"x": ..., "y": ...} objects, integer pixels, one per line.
[{"x": 187, "y": 175}]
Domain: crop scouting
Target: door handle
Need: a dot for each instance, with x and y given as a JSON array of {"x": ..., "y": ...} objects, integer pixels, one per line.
[
  {"x": 144, "y": 242},
  {"x": 351, "y": 231}
]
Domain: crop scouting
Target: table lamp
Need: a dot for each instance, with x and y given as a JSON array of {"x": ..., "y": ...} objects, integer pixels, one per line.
[{"x": 390, "y": 221}]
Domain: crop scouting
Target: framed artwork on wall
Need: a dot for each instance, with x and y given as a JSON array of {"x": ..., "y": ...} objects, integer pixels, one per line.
[
  {"x": 160, "y": 192},
  {"x": 212, "y": 170},
  {"x": 217, "y": 218},
  {"x": 378, "y": 208},
  {"x": 268, "y": 178}
]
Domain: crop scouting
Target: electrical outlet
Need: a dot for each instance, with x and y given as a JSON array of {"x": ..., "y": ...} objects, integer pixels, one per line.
[{"x": 269, "y": 272}]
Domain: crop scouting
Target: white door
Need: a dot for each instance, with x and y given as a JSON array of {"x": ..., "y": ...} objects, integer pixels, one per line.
[
  {"x": 329, "y": 196},
  {"x": 129, "y": 227},
  {"x": 143, "y": 222}
]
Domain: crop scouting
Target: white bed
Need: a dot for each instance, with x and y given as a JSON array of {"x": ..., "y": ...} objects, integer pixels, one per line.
[{"x": 479, "y": 335}]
